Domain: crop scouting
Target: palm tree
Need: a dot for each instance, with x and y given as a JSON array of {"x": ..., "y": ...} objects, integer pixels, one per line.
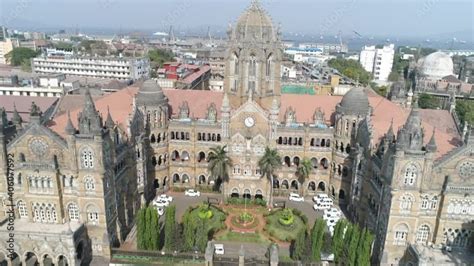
[
  {"x": 268, "y": 164},
  {"x": 219, "y": 164},
  {"x": 303, "y": 171}
]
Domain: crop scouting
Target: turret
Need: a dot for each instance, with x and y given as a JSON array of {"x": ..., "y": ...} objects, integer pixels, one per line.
[
  {"x": 70, "y": 129},
  {"x": 431, "y": 146},
  {"x": 109, "y": 122},
  {"x": 225, "y": 116},
  {"x": 16, "y": 119}
]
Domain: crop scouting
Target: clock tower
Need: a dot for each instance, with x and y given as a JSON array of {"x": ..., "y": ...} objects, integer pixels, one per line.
[{"x": 253, "y": 59}]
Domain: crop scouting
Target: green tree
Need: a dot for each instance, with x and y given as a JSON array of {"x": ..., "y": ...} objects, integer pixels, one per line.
[
  {"x": 268, "y": 164},
  {"x": 170, "y": 229},
  {"x": 317, "y": 239},
  {"x": 149, "y": 232},
  {"x": 141, "y": 229},
  {"x": 364, "y": 248},
  {"x": 63, "y": 46},
  {"x": 351, "y": 69},
  {"x": 154, "y": 229},
  {"x": 298, "y": 246},
  {"x": 427, "y": 101},
  {"x": 338, "y": 239},
  {"x": 303, "y": 171},
  {"x": 201, "y": 234},
  {"x": 353, "y": 245},
  {"x": 159, "y": 56},
  {"x": 189, "y": 231},
  {"x": 465, "y": 111},
  {"x": 219, "y": 165},
  {"x": 20, "y": 56}
]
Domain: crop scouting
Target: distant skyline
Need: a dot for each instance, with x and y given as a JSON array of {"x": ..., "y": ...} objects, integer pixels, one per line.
[{"x": 379, "y": 18}]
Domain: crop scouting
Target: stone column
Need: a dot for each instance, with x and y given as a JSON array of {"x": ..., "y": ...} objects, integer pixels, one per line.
[
  {"x": 274, "y": 255},
  {"x": 242, "y": 256},
  {"x": 209, "y": 254}
]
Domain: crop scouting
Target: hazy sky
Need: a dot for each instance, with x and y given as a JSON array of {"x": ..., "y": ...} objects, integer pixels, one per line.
[{"x": 368, "y": 17}]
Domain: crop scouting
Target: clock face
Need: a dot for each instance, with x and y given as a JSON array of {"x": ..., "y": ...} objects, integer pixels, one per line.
[
  {"x": 466, "y": 170},
  {"x": 38, "y": 146},
  {"x": 249, "y": 121}
]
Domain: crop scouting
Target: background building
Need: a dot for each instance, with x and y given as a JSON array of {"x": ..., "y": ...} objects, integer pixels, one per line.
[{"x": 378, "y": 61}]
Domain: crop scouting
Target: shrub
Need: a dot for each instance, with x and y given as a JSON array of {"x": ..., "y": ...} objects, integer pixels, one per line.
[
  {"x": 286, "y": 217},
  {"x": 205, "y": 212}
]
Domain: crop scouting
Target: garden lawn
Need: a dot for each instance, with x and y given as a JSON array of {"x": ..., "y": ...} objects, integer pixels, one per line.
[
  {"x": 281, "y": 232},
  {"x": 247, "y": 237},
  {"x": 216, "y": 222}
]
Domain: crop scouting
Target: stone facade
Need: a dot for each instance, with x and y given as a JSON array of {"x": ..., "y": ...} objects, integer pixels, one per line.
[{"x": 82, "y": 188}]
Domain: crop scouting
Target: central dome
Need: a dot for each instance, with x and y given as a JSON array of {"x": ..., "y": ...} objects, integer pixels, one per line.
[
  {"x": 255, "y": 23},
  {"x": 354, "y": 102},
  {"x": 150, "y": 93},
  {"x": 436, "y": 65}
]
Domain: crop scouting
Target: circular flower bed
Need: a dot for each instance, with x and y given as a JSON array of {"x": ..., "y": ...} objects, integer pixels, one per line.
[
  {"x": 286, "y": 217},
  {"x": 246, "y": 218}
]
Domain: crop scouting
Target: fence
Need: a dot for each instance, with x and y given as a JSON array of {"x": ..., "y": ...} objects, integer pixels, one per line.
[{"x": 143, "y": 256}]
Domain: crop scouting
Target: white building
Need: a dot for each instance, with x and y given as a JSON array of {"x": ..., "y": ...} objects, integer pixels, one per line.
[
  {"x": 96, "y": 67},
  {"x": 378, "y": 61},
  {"x": 5, "y": 47},
  {"x": 48, "y": 86}
]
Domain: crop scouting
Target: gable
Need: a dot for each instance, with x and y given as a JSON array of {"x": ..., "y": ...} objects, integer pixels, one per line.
[{"x": 37, "y": 130}]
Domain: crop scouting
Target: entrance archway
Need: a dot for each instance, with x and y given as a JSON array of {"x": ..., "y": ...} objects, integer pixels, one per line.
[
  {"x": 202, "y": 180},
  {"x": 235, "y": 193},
  {"x": 62, "y": 261},
  {"x": 294, "y": 185},
  {"x": 31, "y": 259},
  {"x": 321, "y": 186},
  {"x": 175, "y": 178},
  {"x": 185, "y": 179},
  {"x": 47, "y": 260},
  {"x": 284, "y": 184},
  {"x": 156, "y": 183},
  {"x": 276, "y": 183},
  {"x": 247, "y": 194},
  {"x": 312, "y": 186},
  {"x": 342, "y": 194},
  {"x": 165, "y": 181},
  {"x": 259, "y": 194}
]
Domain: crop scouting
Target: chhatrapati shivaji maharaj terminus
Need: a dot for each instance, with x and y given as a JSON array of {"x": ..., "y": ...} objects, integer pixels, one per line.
[{"x": 82, "y": 173}]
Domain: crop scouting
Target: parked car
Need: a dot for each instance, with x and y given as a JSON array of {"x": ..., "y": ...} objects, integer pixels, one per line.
[
  {"x": 332, "y": 221},
  {"x": 161, "y": 203},
  {"x": 192, "y": 193},
  {"x": 165, "y": 197},
  {"x": 219, "y": 249},
  {"x": 295, "y": 197},
  {"x": 320, "y": 197},
  {"x": 322, "y": 206},
  {"x": 333, "y": 212},
  {"x": 161, "y": 211}
]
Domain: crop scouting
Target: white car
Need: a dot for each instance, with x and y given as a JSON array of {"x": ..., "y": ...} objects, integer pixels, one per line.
[
  {"x": 161, "y": 211},
  {"x": 295, "y": 197},
  {"x": 333, "y": 212},
  {"x": 322, "y": 206},
  {"x": 161, "y": 203},
  {"x": 320, "y": 197},
  {"x": 332, "y": 222},
  {"x": 192, "y": 193},
  {"x": 164, "y": 197},
  {"x": 219, "y": 249}
]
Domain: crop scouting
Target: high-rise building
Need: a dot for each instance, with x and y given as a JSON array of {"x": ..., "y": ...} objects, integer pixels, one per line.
[
  {"x": 6, "y": 46},
  {"x": 378, "y": 61}
]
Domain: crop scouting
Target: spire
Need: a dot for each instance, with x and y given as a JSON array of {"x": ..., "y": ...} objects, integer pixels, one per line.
[
  {"x": 390, "y": 133},
  {"x": 225, "y": 101},
  {"x": 431, "y": 146},
  {"x": 70, "y": 130},
  {"x": 109, "y": 122},
  {"x": 16, "y": 116},
  {"x": 89, "y": 119}
]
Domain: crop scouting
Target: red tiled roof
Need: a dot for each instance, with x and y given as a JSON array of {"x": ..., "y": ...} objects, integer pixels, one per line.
[
  {"x": 120, "y": 104},
  {"x": 23, "y": 104},
  {"x": 190, "y": 78},
  {"x": 384, "y": 111},
  {"x": 198, "y": 101}
]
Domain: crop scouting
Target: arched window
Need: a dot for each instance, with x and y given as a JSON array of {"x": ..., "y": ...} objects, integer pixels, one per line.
[
  {"x": 423, "y": 234},
  {"x": 252, "y": 66},
  {"x": 425, "y": 203},
  {"x": 89, "y": 183},
  {"x": 73, "y": 212},
  {"x": 87, "y": 158},
  {"x": 269, "y": 66},
  {"x": 406, "y": 202},
  {"x": 92, "y": 214},
  {"x": 401, "y": 234},
  {"x": 185, "y": 156},
  {"x": 22, "y": 210},
  {"x": 410, "y": 175}
]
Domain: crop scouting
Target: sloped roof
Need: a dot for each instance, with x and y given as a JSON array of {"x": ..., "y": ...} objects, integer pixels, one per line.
[
  {"x": 198, "y": 101},
  {"x": 23, "y": 104}
]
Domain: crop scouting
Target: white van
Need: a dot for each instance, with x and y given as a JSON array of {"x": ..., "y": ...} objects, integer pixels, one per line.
[{"x": 219, "y": 249}]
